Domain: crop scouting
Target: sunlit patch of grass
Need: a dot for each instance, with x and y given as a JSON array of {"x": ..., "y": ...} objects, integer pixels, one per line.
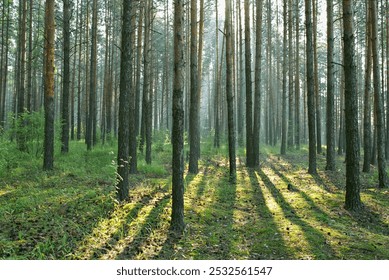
[{"x": 70, "y": 213}]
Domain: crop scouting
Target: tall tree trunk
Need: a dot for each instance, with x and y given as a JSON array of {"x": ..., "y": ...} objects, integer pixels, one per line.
[
  {"x": 30, "y": 60},
  {"x": 284, "y": 99},
  {"x": 249, "y": 98},
  {"x": 92, "y": 138},
  {"x": 330, "y": 88},
  {"x": 146, "y": 74},
  {"x": 194, "y": 129},
  {"x": 367, "y": 149},
  {"x": 66, "y": 77},
  {"x": 353, "y": 201},
  {"x": 216, "y": 142},
  {"x": 258, "y": 72},
  {"x": 79, "y": 108},
  {"x": 21, "y": 138},
  {"x": 124, "y": 103},
  {"x": 230, "y": 97},
  {"x": 149, "y": 109},
  {"x": 297, "y": 85},
  {"x": 311, "y": 89},
  {"x": 177, "y": 219},
  {"x": 241, "y": 80},
  {"x": 138, "y": 70},
  {"x": 290, "y": 67},
  {"x": 387, "y": 81},
  {"x": 48, "y": 155},
  {"x": 316, "y": 78},
  {"x": 379, "y": 104}
]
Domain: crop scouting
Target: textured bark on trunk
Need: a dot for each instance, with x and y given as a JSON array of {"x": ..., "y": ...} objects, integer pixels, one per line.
[
  {"x": 258, "y": 72},
  {"x": 229, "y": 93},
  {"x": 367, "y": 149},
  {"x": 124, "y": 103},
  {"x": 311, "y": 89},
  {"x": 330, "y": 88},
  {"x": 194, "y": 129},
  {"x": 48, "y": 155},
  {"x": 66, "y": 78},
  {"x": 353, "y": 201},
  {"x": 249, "y": 98},
  {"x": 177, "y": 221},
  {"x": 379, "y": 104}
]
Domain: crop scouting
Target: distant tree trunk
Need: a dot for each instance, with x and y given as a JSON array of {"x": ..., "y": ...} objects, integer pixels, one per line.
[
  {"x": 387, "y": 81},
  {"x": 311, "y": 89},
  {"x": 353, "y": 201},
  {"x": 146, "y": 74},
  {"x": 91, "y": 139},
  {"x": 194, "y": 122},
  {"x": 66, "y": 77},
  {"x": 177, "y": 218},
  {"x": 149, "y": 109},
  {"x": 124, "y": 103},
  {"x": 241, "y": 80},
  {"x": 316, "y": 79},
  {"x": 138, "y": 70},
  {"x": 72, "y": 98},
  {"x": 330, "y": 88},
  {"x": 21, "y": 141},
  {"x": 79, "y": 78},
  {"x": 48, "y": 156},
  {"x": 284, "y": 100},
  {"x": 367, "y": 149},
  {"x": 379, "y": 104},
  {"x": 258, "y": 72},
  {"x": 290, "y": 67},
  {"x": 30, "y": 59},
  {"x": 216, "y": 142},
  {"x": 249, "y": 98},
  {"x": 133, "y": 165},
  {"x": 297, "y": 85},
  {"x": 4, "y": 64},
  {"x": 230, "y": 97}
]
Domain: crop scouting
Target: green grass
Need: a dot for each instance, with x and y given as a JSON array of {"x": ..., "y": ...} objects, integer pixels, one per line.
[{"x": 71, "y": 213}]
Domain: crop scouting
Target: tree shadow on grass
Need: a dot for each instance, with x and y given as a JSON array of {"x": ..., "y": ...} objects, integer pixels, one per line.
[
  {"x": 271, "y": 234},
  {"x": 217, "y": 223},
  {"x": 122, "y": 229},
  {"x": 318, "y": 245},
  {"x": 142, "y": 243}
]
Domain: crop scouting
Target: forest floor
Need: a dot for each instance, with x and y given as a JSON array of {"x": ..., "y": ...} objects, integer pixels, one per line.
[{"x": 71, "y": 213}]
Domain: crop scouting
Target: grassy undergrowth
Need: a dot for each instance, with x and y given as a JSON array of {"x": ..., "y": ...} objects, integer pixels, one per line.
[{"x": 70, "y": 213}]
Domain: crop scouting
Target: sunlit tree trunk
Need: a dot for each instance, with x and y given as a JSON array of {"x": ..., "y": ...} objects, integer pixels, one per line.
[{"x": 48, "y": 155}]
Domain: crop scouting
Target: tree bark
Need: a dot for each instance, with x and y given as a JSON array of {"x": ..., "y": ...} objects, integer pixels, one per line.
[
  {"x": 194, "y": 129},
  {"x": 66, "y": 78},
  {"x": 330, "y": 88},
  {"x": 249, "y": 98},
  {"x": 230, "y": 97},
  {"x": 311, "y": 89},
  {"x": 284, "y": 99},
  {"x": 379, "y": 104},
  {"x": 177, "y": 219},
  {"x": 258, "y": 72},
  {"x": 297, "y": 84},
  {"x": 353, "y": 201},
  {"x": 124, "y": 103},
  {"x": 316, "y": 79},
  {"x": 367, "y": 149},
  {"x": 48, "y": 155}
]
